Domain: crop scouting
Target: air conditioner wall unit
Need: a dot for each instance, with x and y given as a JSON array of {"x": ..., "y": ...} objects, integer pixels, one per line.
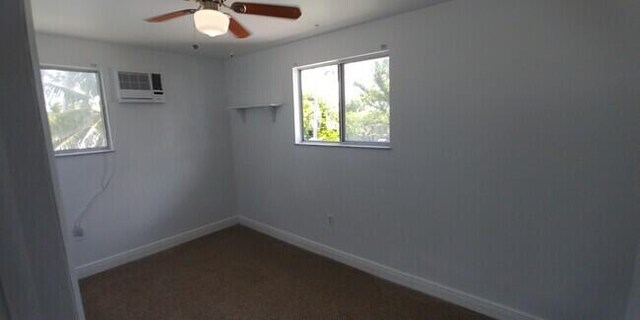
[{"x": 139, "y": 87}]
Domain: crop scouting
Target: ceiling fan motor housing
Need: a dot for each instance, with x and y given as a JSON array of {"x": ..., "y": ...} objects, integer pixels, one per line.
[{"x": 210, "y": 4}]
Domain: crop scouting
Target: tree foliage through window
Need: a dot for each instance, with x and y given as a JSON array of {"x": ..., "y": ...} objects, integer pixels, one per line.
[
  {"x": 74, "y": 109},
  {"x": 367, "y": 101},
  {"x": 322, "y": 122}
]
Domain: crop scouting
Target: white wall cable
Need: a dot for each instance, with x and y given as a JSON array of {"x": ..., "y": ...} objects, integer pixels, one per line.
[{"x": 78, "y": 231}]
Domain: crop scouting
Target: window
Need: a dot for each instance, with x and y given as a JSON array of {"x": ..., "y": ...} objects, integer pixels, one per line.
[
  {"x": 76, "y": 111},
  {"x": 344, "y": 103}
]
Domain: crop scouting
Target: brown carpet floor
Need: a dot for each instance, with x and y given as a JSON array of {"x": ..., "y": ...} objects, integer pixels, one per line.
[{"x": 238, "y": 273}]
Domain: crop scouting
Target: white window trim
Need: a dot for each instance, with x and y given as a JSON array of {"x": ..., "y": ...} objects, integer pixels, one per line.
[
  {"x": 105, "y": 113},
  {"x": 297, "y": 103}
]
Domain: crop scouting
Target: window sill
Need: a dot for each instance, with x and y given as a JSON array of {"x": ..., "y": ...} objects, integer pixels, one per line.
[
  {"x": 345, "y": 145},
  {"x": 81, "y": 153}
]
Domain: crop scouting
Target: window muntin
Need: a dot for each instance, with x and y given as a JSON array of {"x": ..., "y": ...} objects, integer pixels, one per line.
[
  {"x": 345, "y": 103},
  {"x": 75, "y": 109}
]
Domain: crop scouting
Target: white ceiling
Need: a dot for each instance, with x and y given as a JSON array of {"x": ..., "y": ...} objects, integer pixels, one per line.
[{"x": 120, "y": 21}]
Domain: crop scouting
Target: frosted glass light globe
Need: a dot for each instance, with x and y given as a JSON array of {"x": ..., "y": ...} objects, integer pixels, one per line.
[{"x": 211, "y": 22}]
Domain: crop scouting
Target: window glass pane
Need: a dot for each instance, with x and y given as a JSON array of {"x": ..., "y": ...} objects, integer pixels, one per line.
[
  {"x": 320, "y": 104},
  {"x": 367, "y": 101},
  {"x": 74, "y": 109}
]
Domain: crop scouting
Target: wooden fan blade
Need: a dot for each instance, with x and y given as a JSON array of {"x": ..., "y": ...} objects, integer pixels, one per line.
[
  {"x": 267, "y": 10},
  {"x": 171, "y": 15},
  {"x": 237, "y": 29}
]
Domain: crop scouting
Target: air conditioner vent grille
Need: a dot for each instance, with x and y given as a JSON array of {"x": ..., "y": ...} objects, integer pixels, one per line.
[{"x": 134, "y": 81}]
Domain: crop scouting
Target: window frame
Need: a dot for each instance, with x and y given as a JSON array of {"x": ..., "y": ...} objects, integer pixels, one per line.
[
  {"x": 340, "y": 63},
  {"x": 103, "y": 107}
]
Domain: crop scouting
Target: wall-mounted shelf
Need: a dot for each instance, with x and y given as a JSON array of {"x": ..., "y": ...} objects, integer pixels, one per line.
[{"x": 242, "y": 109}]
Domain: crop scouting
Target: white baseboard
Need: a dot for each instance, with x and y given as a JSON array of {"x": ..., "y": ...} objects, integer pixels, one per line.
[
  {"x": 152, "y": 248},
  {"x": 428, "y": 287}
]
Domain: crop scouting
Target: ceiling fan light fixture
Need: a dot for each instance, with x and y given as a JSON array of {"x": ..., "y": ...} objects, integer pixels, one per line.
[{"x": 211, "y": 22}]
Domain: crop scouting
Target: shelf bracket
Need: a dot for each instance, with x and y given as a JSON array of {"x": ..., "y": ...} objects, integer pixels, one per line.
[
  {"x": 274, "y": 111},
  {"x": 243, "y": 115}
]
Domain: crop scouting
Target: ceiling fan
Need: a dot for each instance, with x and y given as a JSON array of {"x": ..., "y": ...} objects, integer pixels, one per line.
[{"x": 210, "y": 20}]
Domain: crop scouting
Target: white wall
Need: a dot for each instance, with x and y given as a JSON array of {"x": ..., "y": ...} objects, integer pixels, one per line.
[
  {"x": 171, "y": 161},
  {"x": 515, "y": 149},
  {"x": 34, "y": 268}
]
